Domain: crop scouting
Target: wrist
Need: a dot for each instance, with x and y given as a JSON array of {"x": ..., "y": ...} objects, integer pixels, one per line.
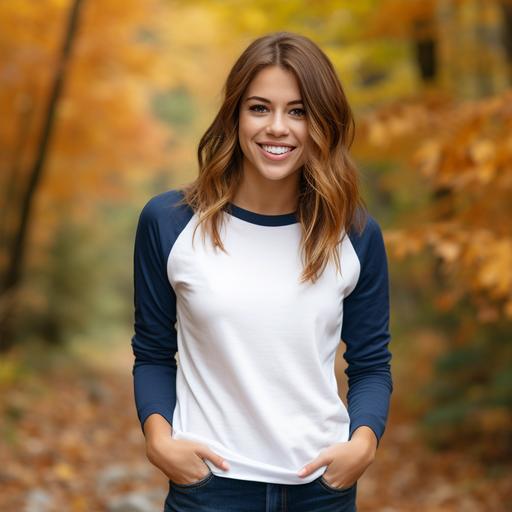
[{"x": 365, "y": 437}]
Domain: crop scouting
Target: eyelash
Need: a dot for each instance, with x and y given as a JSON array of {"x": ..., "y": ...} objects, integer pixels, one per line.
[{"x": 253, "y": 109}]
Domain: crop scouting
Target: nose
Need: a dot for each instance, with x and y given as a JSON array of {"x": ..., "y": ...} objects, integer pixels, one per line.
[{"x": 277, "y": 124}]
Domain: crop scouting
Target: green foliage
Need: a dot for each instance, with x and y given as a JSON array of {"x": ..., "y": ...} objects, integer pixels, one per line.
[
  {"x": 469, "y": 398},
  {"x": 175, "y": 107},
  {"x": 84, "y": 286}
]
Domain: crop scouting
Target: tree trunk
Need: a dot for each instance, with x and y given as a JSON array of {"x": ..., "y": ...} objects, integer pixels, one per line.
[
  {"x": 16, "y": 249},
  {"x": 506, "y": 9},
  {"x": 426, "y": 49}
]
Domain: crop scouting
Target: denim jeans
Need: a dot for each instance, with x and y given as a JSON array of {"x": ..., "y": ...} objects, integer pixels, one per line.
[{"x": 220, "y": 494}]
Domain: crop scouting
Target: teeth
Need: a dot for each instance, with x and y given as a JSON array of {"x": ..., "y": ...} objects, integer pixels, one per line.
[{"x": 276, "y": 150}]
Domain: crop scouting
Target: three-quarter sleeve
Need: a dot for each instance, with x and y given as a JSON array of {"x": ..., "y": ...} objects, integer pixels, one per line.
[
  {"x": 365, "y": 330},
  {"x": 154, "y": 342}
]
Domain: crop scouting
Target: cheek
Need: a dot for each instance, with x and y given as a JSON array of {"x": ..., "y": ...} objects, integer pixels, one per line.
[
  {"x": 244, "y": 129},
  {"x": 247, "y": 133},
  {"x": 244, "y": 139}
]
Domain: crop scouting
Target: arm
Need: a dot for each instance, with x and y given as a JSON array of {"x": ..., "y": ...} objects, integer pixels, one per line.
[
  {"x": 365, "y": 331},
  {"x": 154, "y": 342},
  {"x": 155, "y": 426}
]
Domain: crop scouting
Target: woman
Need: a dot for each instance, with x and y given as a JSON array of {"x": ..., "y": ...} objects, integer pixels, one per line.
[{"x": 290, "y": 263}]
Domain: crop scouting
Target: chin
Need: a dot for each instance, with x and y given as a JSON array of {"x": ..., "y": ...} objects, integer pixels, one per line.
[{"x": 276, "y": 176}]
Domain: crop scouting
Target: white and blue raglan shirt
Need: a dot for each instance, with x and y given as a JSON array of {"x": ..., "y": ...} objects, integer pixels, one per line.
[{"x": 254, "y": 374}]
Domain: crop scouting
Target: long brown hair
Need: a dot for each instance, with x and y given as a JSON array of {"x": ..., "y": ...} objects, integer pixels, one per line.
[{"x": 329, "y": 197}]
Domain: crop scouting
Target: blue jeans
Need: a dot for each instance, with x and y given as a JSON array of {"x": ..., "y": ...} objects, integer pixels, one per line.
[{"x": 220, "y": 494}]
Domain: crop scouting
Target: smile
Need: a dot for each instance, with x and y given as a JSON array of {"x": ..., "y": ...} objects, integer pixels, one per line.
[{"x": 276, "y": 152}]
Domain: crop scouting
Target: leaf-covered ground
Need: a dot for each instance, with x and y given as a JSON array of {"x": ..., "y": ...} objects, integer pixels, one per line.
[{"x": 71, "y": 442}]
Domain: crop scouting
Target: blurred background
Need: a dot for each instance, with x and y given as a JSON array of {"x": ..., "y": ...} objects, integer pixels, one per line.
[{"x": 102, "y": 105}]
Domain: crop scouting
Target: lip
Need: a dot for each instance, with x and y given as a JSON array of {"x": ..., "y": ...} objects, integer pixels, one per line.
[
  {"x": 276, "y": 158},
  {"x": 269, "y": 143}
]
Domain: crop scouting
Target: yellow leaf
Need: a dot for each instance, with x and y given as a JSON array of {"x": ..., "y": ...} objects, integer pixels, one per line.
[
  {"x": 482, "y": 151},
  {"x": 64, "y": 471},
  {"x": 449, "y": 251},
  {"x": 427, "y": 157},
  {"x": 486, "y": 172}
]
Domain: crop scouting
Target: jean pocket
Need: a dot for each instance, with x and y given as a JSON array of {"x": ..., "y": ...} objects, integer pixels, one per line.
[
  {"x": 196, "y": 484},
  {"x": 340, "y": 490}
]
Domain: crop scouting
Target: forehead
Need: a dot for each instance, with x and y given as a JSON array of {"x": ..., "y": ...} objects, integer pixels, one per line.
[{"x": 274, "y": 83}]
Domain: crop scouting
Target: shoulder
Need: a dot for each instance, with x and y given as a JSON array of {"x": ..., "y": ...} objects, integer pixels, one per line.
[
  {"x": 156, "y": 206},
  {"x": 166, "y": 208},
  {"x": 162, "y": 219}
]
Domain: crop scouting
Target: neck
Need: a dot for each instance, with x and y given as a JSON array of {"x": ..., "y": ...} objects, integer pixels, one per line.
[{"x": 268, "y": 197}]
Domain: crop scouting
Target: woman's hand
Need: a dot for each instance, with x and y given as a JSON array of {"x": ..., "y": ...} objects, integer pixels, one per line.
[
  {"x": 346, "y": 461},
  {"x": 180, "y": 460}
]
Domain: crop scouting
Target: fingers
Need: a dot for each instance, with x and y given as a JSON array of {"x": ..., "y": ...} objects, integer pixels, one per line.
[
  {"x": 311, "y": 467},
  {"x": 205, "y": 453}
]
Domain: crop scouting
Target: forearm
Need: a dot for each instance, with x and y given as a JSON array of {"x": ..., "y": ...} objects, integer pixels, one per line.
[
  {"x": 155, "y": 391},
  {"x": 366, "y": 437},
  {"x": 368, "y": 400},
  {"x": 156, "y": 425}
]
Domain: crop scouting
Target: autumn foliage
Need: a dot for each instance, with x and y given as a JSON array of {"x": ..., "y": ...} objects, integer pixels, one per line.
[{"x": 117, "y": 118}]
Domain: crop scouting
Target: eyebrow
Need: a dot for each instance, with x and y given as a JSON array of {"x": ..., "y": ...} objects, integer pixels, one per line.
[{"x": 259, "y": 98}]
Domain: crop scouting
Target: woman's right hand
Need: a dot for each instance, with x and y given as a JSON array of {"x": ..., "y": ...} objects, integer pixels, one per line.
[{"x": 181, "y": 460}]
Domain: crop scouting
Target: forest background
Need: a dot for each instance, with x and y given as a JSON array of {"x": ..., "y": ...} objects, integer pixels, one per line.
[{"x": 102, "y": 106}]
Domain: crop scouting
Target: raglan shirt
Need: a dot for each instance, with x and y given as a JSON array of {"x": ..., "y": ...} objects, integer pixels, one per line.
[{"x": 234, "y": 352}]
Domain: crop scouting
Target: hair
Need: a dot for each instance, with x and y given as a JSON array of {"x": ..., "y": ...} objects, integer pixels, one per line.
[{"x": 329, "y": 199}]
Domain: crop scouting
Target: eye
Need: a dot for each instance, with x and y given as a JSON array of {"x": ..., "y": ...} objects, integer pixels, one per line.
[
  {"x": 301, "y": 111},
  {"x": 255, "y": 108}
]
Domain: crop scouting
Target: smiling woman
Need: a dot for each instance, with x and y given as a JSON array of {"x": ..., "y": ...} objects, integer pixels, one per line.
[
  {"x": 274, "y": 131},
  {"x": 251, "y": 419}
]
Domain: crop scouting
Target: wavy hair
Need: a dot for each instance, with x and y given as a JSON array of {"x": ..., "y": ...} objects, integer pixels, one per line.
[{"x": 329, "y": 201}]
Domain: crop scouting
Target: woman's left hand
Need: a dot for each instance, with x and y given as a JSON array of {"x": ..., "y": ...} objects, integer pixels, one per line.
[{"x": 346, "y": 461}]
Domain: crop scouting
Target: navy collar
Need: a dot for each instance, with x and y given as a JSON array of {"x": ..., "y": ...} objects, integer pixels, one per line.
[{"x": 283, "y": 219}]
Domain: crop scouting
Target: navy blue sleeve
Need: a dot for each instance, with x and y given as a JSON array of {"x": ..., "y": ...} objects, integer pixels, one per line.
[
  {"x": 366, "y": 333},
  {"x": 154, "y": 343}
]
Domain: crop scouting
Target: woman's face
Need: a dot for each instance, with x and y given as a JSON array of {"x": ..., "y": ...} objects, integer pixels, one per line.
[{"x": 273, "y": 131}]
